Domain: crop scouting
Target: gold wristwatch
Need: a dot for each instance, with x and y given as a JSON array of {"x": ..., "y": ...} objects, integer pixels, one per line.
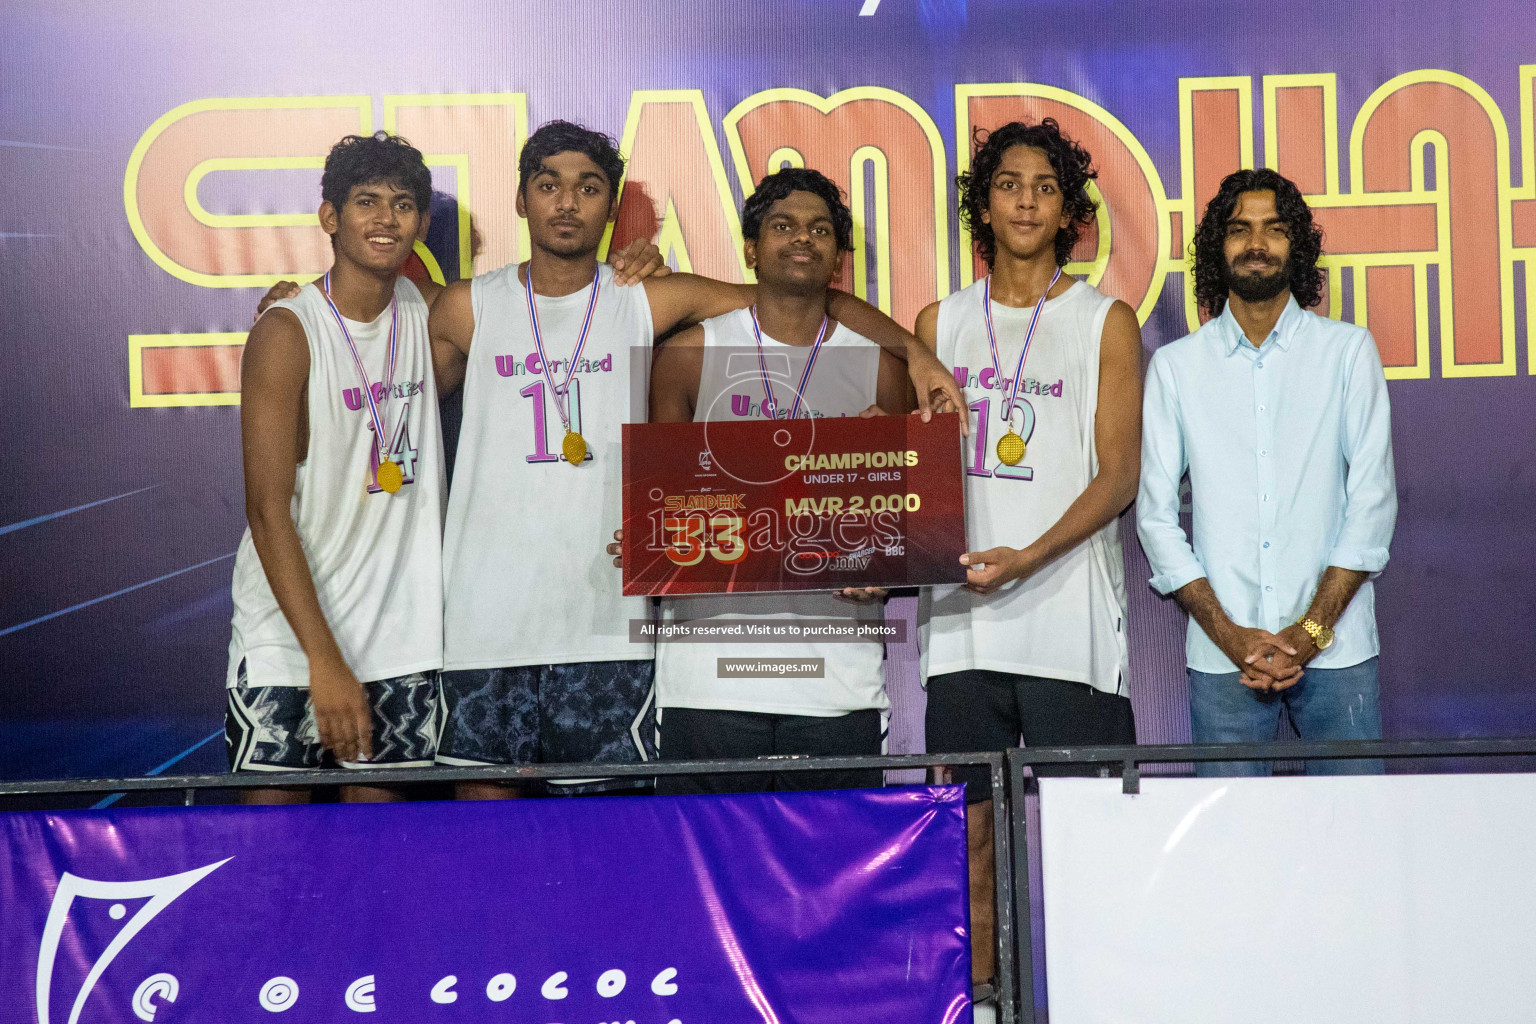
[{"x": 1322, "y": 636}]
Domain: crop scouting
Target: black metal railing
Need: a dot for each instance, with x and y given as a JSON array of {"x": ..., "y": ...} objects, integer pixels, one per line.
[{"x": 1126, "y": 763}]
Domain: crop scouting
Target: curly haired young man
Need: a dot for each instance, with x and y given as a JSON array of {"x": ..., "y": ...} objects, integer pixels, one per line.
[
  {"x": 1280, "y": 417},
  {"x": 1033, "y": 646}
]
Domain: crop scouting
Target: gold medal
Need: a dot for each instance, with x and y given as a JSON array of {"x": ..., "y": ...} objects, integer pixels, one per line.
[
  {"x": 390, "y": 476},
  {"x": 1010, "y": 448},
  {"x": 574, "y": 448}
]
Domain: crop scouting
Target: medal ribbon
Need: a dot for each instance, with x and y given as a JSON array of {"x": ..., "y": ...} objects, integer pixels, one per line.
[
  {"x": 381, "y": 440},
  {"x": 805, "y": 377},
  {"x": 997, "y": 368},
  {"x": 562, "y": 398}
]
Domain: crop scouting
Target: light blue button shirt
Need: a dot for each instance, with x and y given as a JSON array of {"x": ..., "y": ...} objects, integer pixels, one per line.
[{"x": 1288, "y": 447}]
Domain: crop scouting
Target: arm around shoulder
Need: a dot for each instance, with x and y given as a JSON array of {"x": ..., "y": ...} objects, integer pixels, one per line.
[
  {"x": 862, "y": 318},
  {"x": 429, "y": 290},
  {"x": 680, "y": 300},
  {"x": 927, "y": 327}
]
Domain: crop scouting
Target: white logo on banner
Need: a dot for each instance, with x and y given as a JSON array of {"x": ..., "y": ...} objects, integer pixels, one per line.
[
  {"x": 278, "y": 995},
  {"x": 162, "y": 985},
  {"x": 443, "y": 991},
  {"x": 554, "y": 986},
  {"x": 161, "y": 892},
  {"x": 360, "y": 995}
]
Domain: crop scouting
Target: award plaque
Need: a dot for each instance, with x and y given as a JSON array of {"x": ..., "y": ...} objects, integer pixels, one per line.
[{"x": 805, "y": 504}]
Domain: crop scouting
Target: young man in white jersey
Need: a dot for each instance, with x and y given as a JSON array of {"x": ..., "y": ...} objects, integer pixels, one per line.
[
  {"x": 337, "y": 632},
  {"x": 796, "y": 230},
  {"x": 554, "y": 359},
  {"x": 1034, "y": 645}
]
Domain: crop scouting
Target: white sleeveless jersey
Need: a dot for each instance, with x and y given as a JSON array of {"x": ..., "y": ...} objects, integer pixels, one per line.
[
  {"x": 843, "y": 383},
  {"x": 1068, "y": 620},
  {"x": 375, "y": 557},
  {"x": 526, "y": 577}
]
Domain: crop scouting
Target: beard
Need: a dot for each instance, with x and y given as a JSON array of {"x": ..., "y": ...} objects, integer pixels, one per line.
[{"x": 1258, "y": 287}]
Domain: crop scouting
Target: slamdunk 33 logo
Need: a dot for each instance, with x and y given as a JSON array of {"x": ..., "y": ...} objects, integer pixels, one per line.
[{"x": 160, "y": 893}]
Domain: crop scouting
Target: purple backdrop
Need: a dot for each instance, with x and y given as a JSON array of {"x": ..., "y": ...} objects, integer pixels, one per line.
[{"x": 120, "y": 511}]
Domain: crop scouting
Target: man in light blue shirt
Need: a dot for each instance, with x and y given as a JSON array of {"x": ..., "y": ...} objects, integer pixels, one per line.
[{"x": 1280, "y": 417}]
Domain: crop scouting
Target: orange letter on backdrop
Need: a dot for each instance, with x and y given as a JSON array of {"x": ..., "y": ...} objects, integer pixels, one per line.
[
  {"x": 477, "y": 138},
  {"x": 1429, "y": 187},
  {"x": 208, "y": 136},
  {"x": 1215, "y": 139},
  {"x": 1386, "y": 247},
  {"x": 1454, "y": 118},
  {"x": 675, "y": 190},
  {"x": 841, "y": 136},
  {"x": 1124, "y": 256}
]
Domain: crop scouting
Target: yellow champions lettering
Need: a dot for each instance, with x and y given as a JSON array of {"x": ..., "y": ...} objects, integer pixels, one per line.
[{"x": 849, "y": 460}]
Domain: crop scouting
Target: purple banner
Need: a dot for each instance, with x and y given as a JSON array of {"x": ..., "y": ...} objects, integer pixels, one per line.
[{"x": 833, "y": 907}]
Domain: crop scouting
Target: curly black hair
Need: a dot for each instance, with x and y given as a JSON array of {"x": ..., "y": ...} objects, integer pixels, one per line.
[
  {"x": 1071, "y": 162},
  {"x": 566, "y": 137},
  {"x": 380, "y": 157},
  {"x": 1208, "y": 251},
  {"x": 780, "y": 184}
]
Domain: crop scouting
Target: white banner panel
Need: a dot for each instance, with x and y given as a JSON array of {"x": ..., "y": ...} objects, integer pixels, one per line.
[{"x": 1318, "y": 900}]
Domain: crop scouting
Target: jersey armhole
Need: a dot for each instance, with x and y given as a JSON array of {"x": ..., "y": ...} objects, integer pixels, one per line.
[
  {"x": 1100, "y": 320},
  {"x": 477, "y": 287},
  {"x": 412, "y": 289},
  {"x": 295, "y": 306}
]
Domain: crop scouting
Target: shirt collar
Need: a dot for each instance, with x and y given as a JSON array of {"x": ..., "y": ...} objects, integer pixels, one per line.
[{"x": 1285, "y": 328}]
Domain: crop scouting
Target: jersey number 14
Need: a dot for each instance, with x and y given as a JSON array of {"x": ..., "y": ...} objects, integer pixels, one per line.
[{"x": 401, "y": 450}]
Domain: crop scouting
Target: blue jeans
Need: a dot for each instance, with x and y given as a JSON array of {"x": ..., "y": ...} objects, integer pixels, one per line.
[{"x": 1328, "y": 704}]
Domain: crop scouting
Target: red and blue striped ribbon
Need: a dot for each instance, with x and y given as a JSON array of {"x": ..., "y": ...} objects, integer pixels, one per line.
[
  {"x": 381, "y": 440},
  {"x": 561, "y": 397},
  {"x": 997, "y": 367},
  {"x": 805, "y": 377}
]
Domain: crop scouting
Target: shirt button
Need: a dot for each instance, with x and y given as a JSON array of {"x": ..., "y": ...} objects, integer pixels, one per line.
[
  {"x": 1259, "y": 365},
  {"x": 1267, "y": 589},
  {"x": 1263, "y": 451},
  {"x": 1261, "y": 408},
  {"x": 1266, "y": 544},
  {"x": 1266, "y": 497}
]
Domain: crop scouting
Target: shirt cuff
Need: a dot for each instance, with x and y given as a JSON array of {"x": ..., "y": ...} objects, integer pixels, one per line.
[
  {"x": 1180, "y": 576},
  {"x": 1371, "y": 560}
]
